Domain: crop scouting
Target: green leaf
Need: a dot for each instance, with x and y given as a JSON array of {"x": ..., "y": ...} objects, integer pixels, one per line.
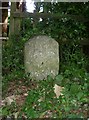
[
  {"x": 59, "y": 79},
  {"x": 80, "y": 95},
  {"x": 74, "y": 89}
]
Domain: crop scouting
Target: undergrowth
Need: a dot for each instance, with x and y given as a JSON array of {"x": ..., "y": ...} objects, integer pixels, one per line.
[{"x": 41, "y": 101}]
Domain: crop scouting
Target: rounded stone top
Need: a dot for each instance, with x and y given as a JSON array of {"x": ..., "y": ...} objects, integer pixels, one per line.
[{"x": 41, "y": 57}]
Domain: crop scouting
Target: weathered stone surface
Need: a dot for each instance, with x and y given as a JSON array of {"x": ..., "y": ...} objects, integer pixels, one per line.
[{"x": 41, "y": 57}]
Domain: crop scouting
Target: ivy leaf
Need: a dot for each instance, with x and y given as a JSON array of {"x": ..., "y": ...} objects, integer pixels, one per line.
[
  {"x": 74, "y": 89},
  {"x": 80, "y": 95},
  {"x": 59, "y": 79}
]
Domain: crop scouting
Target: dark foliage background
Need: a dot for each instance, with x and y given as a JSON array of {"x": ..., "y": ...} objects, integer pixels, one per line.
[{"x": 73, "y": 62}]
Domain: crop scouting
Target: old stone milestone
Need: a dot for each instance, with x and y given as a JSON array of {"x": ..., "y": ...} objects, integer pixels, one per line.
[{"x": 41, "y": 57}]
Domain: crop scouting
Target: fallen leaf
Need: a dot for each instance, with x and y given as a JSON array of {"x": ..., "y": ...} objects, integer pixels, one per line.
[{"x": 57, "y": 90}]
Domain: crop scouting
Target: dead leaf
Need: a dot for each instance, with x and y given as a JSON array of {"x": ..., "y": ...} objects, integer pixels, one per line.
[{"x": 57, "y": 90}]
